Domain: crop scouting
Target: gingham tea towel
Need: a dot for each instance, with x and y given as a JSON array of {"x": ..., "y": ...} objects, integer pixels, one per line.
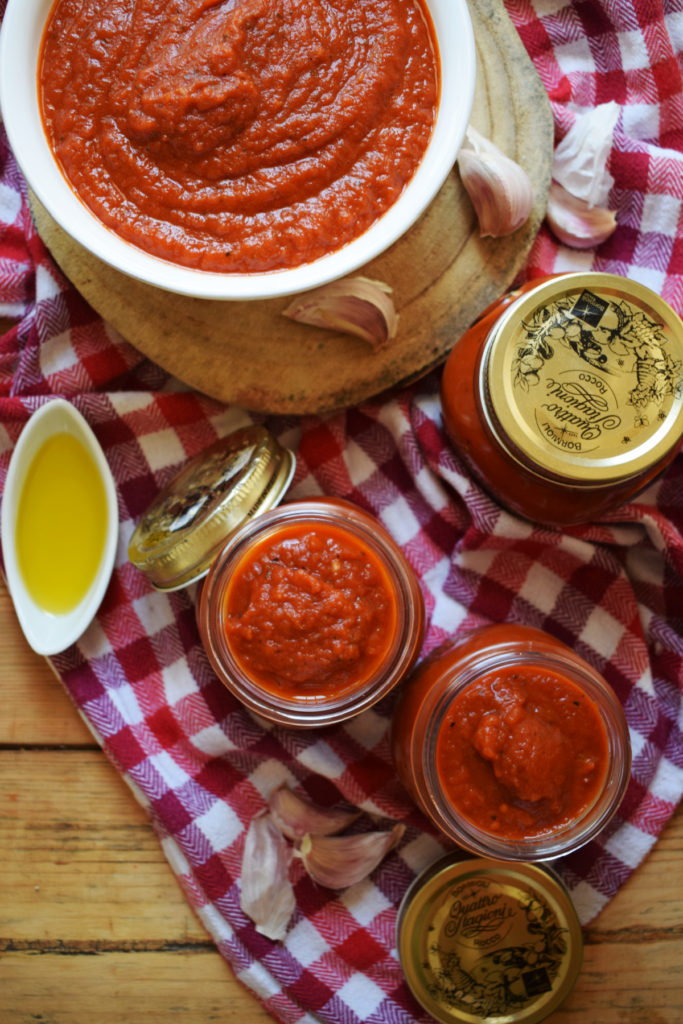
[{"x": 197, "y": 761}]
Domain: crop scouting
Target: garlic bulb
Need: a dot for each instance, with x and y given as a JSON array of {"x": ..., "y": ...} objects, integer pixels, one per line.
[
  {"x": 267, "y": 895},
  {"x": 574, "y": 222},
  {"x": 354, "y": 305},
  {"x": 340, "y": 861},
  {"x": 294, "y": 816},
  {"x": 500, "y": 190}
]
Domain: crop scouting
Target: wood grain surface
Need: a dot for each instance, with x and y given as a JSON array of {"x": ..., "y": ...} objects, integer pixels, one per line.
[
  {"x": 94, "y": 928},
  {"x": 442, "y": 274}
]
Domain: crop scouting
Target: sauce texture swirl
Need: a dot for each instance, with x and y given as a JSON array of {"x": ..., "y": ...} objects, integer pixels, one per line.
[
  {"x": 522, "y": 751},
  {"x": 239, "y": 135},
  {"x": 310, "y": 612}
]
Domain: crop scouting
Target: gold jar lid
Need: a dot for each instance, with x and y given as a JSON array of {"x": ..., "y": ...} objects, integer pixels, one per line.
[
  {"x": 582, "y": 379},
  {"x": 485, "y": 940},
  {"x": 185, "y": 527}
]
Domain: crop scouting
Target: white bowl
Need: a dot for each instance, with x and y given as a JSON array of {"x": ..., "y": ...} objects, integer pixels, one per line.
[
  {"x": 48, "y": 632},
  {"x": 20, "y": 40}
]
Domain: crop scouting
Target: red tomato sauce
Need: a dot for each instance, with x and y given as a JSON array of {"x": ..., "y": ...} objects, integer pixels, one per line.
[
  {"x": 521, "y": 752},
  {"x": 239, "y": 135},
  {"x": 309, "y": 612}
]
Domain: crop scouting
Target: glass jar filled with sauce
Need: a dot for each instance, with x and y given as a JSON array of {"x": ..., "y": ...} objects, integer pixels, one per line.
[
  {"x": 511, "y": 744},
  {"x": 308, "y": 610},
  {"x": 565, "y": 397},
  {"x": 311, "y": 614}
]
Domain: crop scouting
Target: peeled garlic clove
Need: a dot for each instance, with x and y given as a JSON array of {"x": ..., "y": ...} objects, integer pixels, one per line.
[
  {"x": 574, "y": 222},
  {"x": 354, "y": 305},
  {"x": 294, "y": 816},
  {"x": 339, "y": 861},
  {"x": 267, "y": 895},
  {"x": 500, "y": 190}
]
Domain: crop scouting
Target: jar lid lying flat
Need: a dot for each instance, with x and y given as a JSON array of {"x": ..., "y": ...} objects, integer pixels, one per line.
[
  {"x": 185, "y": 527},
  {"x": 488, "y": 941},
  {"x": 582, "y": 378}
]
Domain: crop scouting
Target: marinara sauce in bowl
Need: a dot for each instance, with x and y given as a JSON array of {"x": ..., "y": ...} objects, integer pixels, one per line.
[
  {"x": 511, "y": 744},
  {"x": 238, "y": 149},
  {"x": 311, "y": 614}
]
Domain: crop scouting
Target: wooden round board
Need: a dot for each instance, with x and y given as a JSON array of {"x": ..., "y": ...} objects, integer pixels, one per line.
[{"x": 442, "y": 274}]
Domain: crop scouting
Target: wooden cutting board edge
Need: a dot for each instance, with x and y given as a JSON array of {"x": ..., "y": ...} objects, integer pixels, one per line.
[{"x": 442, "y": 274}]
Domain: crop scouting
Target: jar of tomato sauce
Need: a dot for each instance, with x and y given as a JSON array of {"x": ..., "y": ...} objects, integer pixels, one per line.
[
  {"x": 565, "y": 397},
  {"x": 308, "y": 610},
  {"x": 511, "y": 744},
  {"x": 311, "y": 614}
]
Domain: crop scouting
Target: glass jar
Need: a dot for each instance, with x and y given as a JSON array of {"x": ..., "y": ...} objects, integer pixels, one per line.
[
  {"x": 565, "y": 397},
  {"x": 311, "y": 614},
  {"x": 511, "y": 744}
]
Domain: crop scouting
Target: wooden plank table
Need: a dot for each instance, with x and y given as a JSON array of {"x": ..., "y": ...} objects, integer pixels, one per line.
[{"x": 94, "y": 927}]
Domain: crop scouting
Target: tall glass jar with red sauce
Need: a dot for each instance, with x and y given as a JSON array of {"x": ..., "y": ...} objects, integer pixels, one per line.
[
  {"x": 311, "y": 614},
  {"x": 565, "y": 398},
  {"x": 511, "y": 744}
]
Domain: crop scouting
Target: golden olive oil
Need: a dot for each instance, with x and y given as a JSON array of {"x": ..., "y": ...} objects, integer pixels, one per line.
[{"x": 61, "y": 524}]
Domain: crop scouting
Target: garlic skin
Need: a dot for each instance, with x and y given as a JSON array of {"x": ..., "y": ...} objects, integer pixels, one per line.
[
  {"x": 340, "y": 861},
  {"x": 294, "y": 816},
  {"x": 574, "y": 222},
  {"x": 580, "y": 159},
  {"x": 267, "y": 895},
  {"x": 577, "y": 211},
  {"x": 500, "y": 190},
  {"x": 353, "y": 305}
]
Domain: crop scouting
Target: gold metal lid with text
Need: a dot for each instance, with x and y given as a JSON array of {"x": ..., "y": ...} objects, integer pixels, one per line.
[
  {"x": 185, "y": 527},
  {"x": 488, "y": 941},
  {"x": 582, "y": 379}
]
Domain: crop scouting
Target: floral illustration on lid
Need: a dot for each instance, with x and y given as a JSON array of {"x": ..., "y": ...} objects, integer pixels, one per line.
[{"x": 587, "y": 379}]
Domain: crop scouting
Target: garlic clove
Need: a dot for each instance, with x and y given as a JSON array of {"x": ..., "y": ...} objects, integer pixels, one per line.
[
  {"x": 580, "y": 159},
  {"x": 267, "y": 895},
  {"x": 294, "y": 816},
  {"x": 354, "y": 305},
  {"x": 574, "y": 222},
  {"x": 500, "y": 190},
  {"x": 340, "y": 861}
]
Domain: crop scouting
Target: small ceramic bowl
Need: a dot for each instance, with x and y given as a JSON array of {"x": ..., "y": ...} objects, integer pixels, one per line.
[
  {"x": 20, "y": 41},
  {"x": 59, "y": 527}
]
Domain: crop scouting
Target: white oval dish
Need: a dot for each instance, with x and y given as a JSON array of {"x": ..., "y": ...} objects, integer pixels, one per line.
[
  {"x": 49, "y": 632},
  {"x": 20, "y": 47}
]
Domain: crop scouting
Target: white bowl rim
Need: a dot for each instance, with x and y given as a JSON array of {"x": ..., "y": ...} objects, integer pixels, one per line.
[
  {"x": 19, "y": 43},
  {"x": 47, "y": 633}
]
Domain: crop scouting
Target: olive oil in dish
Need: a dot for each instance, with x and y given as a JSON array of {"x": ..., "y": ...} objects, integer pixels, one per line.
[{"x": 59, "y": 526}]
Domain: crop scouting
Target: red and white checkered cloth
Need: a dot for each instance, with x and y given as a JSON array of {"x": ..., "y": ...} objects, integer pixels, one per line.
[{"x": 612, "y": 590}]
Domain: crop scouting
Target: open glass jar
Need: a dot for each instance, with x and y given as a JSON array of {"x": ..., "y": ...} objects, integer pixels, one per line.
[
  {"x": 511, "y": 744},
  {"x": 565, "y": 398},
  {"x": 311, "y": 614},
  {"x": 308, "y": 611}
]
